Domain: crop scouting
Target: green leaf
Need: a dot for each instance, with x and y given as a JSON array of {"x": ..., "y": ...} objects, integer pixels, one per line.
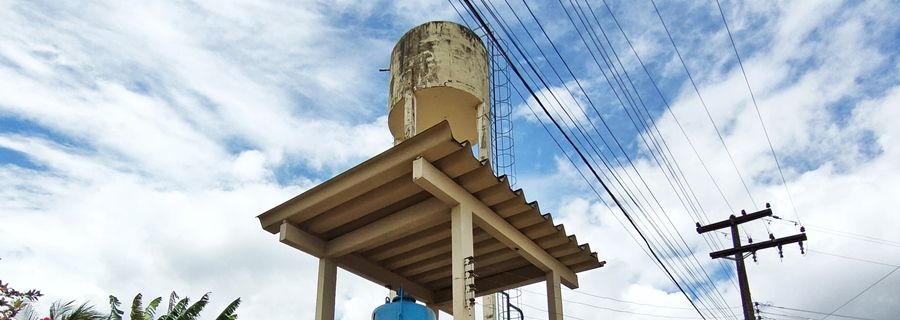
[
  {"x": 193, "y": 311},
  {"x": 178, "y": 309},
  {"x": 82, "y": 312},
  {"x": 150, "y": 311},
  {"x": 114, "y": 313},
  {"x": 173, "y": 298},
  {"x": 137, "y": 308},
  {"x": 228, "y": 313}
]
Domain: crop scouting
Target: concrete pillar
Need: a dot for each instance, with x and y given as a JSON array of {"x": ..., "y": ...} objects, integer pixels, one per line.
[
  {"x": 409, "y": 115},
  {"x": 325, "y": 290},
  {"x": 484, "y": 131},
  {"x": 462, "y": 250},
  {"x": 554, "y": 297}
]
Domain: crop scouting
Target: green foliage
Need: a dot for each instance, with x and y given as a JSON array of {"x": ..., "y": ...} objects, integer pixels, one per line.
[
  {"x": 178, "y": 309},
  {"x": 68, "y": 311},
  {"x": 114, "y": 312},
  {"x": 13, "y": 301}
]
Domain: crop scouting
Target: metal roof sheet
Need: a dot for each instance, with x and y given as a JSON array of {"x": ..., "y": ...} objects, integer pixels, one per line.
[{"x": 380, "y": 195}]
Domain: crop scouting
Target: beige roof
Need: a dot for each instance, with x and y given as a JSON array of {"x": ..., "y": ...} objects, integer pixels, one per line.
[{"x": 376, "y": 222}]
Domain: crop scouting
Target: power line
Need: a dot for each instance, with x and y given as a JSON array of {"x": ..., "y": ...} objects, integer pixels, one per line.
[
  {"x": 845, "y": 234},
  {"x": 813, "y": 312},
  {"x": 852, "y": 258},
  {"x": 703, "y": 102},
  {"x": 758, "y": 114},
  {"x": 575, "y": 123},
  {"x": 569, "y": 140},
  {"x": 860, "y": 293}
]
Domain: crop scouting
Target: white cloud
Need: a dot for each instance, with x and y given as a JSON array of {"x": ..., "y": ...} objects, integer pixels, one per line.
[{"x": 159, "y": 130}]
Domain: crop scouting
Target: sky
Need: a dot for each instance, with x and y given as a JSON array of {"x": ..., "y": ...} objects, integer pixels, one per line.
[{"x": 140, "y": 140}]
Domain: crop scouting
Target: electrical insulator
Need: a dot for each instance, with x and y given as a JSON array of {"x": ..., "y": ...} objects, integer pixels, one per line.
[
  {"x": 802, "y": 251},
  {"x": 743, "y": 212},
  {"x": 771, "y": 236},
  {"x": 780, "y": 252},
  {"x": 802, "y": 229},
  {"x": 754, "y": 256},
  {"x": 768, "y": 205},
  {"x": 750, "y": 240}
]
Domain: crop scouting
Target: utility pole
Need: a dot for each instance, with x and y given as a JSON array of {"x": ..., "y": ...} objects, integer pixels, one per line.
[{"x": 738, "y": 250}]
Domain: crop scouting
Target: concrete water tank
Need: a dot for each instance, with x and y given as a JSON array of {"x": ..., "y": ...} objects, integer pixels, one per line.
[{"x": 439, "y": 71}]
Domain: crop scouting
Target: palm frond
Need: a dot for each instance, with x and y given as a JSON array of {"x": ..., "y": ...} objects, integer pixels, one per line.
[
  {"x": 114, "y": 312},
  {"x": 178, "y": 309},
  {"x": 193, "y": 311},
  {"x": 58, "y": 309},
  {"x": 150, "y": 311},
  {"x": 137, "y": 308},
  {"x": 82, "y": 312},
  {"x": 173, "y": 299},
  {"x": 228, "y": 313},
  {"x": 27, "y": 313}
]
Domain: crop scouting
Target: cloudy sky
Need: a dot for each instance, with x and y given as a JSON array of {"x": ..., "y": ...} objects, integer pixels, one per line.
[{"x": 139, "y": 140}]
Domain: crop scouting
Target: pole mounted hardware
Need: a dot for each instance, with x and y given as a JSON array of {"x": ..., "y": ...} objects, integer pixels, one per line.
[{"x": 737, "y": 252}]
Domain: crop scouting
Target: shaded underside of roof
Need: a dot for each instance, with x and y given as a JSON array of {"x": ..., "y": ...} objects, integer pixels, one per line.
[{"x": 380, "y": 195}]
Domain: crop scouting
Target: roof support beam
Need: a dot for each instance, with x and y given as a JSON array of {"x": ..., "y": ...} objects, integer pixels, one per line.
[
  {"x": 378, "y": 274},
  {"x": 442, "y": 187},
  {"x": 405, "y": 222},
  {"x": 302, "y": 240}
]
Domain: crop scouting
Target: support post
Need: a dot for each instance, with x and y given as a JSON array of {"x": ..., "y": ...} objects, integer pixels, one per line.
[
  {"x": 409, "y": 115},
  {"x": 462, "y": 255},
  {"x": 746, "y": 301},
  {"x": 484, "y": 131},
  {"x": 554, "y": 297},
  {"x": 326, "y": 289}
]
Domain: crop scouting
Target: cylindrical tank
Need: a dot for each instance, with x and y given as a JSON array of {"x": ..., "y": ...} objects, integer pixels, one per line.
[
  {"x": 439, "y": 71},
  {"x": 404, "y": 308}
]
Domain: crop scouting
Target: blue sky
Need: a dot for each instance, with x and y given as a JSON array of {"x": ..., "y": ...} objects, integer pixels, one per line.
[{"x": 138, "y": 141}]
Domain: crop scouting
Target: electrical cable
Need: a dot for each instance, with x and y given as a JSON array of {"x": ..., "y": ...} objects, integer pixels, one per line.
[
  {"x": 569, "y": 140},
  {"x": 860, "y": 293},
  {"x": 813, "y": 312},
  {"x": 703, "y": 102},
  {"x": 574, "y": 122},
  {"x": 758, "y": 113}
]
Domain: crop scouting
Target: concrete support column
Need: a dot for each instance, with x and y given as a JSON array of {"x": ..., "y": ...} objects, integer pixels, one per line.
[
  {"x": 409, "y": 115},
  {"x": 325, "y": 290},
  {"x": 462, "y": 254},
  {"x": 554, "y": 297},
  {"x": 484, "y": 131}
]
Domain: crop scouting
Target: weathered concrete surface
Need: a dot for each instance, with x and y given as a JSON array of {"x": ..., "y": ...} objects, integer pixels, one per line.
[{"x": 442, "y": 67}]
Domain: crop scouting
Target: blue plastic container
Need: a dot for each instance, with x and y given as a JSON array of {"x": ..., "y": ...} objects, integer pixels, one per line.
[{"x": 402, "y": 308}]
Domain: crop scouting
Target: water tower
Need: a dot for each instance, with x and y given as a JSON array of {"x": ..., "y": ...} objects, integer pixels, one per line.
[
  {"x": 439, "y": 72},
  {"x": 428, "y": 215}
]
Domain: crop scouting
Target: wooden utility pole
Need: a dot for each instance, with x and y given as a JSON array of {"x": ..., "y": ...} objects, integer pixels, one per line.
[{"x": 738, "y": 250}]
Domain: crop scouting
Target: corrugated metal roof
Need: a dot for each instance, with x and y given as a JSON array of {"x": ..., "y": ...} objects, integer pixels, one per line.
[{"x": 379, "y": 194}]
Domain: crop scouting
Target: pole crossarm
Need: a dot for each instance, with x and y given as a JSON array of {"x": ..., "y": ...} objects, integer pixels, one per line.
[
  {"x": 443, "y": 187},
  {"x": 734, "y": 220},
  {"x": 759, "y": 246}
]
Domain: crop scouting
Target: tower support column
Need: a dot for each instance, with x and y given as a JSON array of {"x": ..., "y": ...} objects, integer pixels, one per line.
[
  {"x": 554, "y": 297},
  {"x": 463, "y": 261},
  {"x": 326, "y": 289}
]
